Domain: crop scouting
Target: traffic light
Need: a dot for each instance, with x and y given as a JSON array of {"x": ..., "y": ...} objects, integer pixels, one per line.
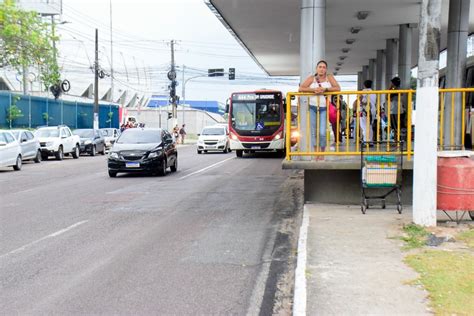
[
  {"x": 170, "y": 115},
  {"x": 231, "y": 73}
]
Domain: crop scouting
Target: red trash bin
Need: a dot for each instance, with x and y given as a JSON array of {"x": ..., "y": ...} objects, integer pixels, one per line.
[{"x": 455, "y": 189}]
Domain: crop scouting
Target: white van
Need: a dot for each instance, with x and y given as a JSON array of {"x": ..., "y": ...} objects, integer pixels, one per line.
[{"x": 213, "y": 138}]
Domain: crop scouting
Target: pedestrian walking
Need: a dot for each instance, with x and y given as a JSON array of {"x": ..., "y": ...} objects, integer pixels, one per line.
[{"x": 182, "y": 133}]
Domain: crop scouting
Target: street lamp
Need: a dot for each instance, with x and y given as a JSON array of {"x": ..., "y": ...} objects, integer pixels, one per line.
[{"x": 184, "y": 89}]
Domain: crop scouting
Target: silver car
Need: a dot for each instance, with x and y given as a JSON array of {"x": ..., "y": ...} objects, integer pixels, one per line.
[
  {"x": 30, "y": 145},
  {"x": 10, "y": 151}
]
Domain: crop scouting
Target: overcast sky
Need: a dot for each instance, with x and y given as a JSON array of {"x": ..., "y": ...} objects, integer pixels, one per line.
[{"x": 142, "y": 31}]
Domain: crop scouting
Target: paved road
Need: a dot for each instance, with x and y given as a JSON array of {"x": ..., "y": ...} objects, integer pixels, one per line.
[{"x": 218, "y": 236}]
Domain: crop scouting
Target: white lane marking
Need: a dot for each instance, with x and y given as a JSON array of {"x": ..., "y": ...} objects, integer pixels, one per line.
[
  {"x": 59, "y": 232},
  {"x": 299, "y": 297},
  {"x": 204, "y": 169}
]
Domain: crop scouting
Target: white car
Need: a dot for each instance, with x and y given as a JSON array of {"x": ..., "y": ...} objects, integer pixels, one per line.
[
  {"x": 58, "y": 141},
  {"x": 10, "y": 151},
  {"x": 30, "y": 145},
  {"x": 213, "y": 138},
  {"x": 110, "y": 135}
]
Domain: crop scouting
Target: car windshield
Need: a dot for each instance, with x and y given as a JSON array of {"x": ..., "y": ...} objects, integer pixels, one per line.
[
  {"x": 213, "y": 131},
  {"x": 47, "y": 133},
  {"x": 139, "y": 136},
  {"x": 84, "y": 133},
  {"x": 108, "y": 132},
  {"x": 16, "y": 134}
]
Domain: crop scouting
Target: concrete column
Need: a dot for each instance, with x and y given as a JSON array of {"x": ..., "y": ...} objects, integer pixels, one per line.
[
  {"x": 458, "y": 25},
  {"x": 312, "y": 49},
  {"x": 427, "y": 100},
  {"x": 365, "y": 73},
  {"x": 360, "y": 80},
  {"x": 390, "y": 60},
  {"x": 404, "y": 55},
  {"x": 380, "y": 72},
  {"x": 372, "y": 69}
]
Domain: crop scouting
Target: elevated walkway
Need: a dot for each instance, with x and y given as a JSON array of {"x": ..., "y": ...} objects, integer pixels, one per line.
[{"x": 337, "y": 178}]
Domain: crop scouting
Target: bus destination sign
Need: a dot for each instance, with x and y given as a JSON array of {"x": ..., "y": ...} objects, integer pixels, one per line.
[{"x": 253, "y": 97}]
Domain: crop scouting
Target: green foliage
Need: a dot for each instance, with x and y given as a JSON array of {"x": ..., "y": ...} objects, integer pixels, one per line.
[
  {"x": 13, "y": 111},
  {"x": 110, "y": 115},
  {"x": 467, "y": 237},
  {"x": 449, "y": 278},
  {"x": 415, "y": 236},
  {"x": 25, "y": 40}
]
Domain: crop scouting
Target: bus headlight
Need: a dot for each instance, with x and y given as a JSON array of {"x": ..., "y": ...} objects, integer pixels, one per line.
[
  {"x": 295, "y": 134},
  {"x": 233, "y": 136},
  {"x": 278, "y": 136}
]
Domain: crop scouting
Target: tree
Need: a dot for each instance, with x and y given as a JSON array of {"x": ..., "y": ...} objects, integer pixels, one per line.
[{"x": 25, "y": 40}]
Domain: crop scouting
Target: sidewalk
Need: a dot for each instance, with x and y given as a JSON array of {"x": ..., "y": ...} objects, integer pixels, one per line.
[{"x": 354, "y": 268}]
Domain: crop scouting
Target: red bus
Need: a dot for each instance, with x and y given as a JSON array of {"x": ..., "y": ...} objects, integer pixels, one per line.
[{"x": 256, "y": 122}]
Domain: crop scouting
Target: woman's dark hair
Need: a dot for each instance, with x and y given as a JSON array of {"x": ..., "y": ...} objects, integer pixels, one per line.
[
  {"x": 396, "y": 81},
  {"x": 322, "y": 61}
]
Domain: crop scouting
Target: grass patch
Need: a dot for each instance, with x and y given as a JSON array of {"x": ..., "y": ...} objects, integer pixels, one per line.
[
  {"x": 467, "y": 237},
  {"x": 449, "y": 278},
  {"x": 415, "y": 236}
]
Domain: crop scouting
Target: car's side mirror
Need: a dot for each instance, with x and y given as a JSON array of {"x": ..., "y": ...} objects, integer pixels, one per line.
[
  {"x": 24, "y": 140},
  {"x": 198, "y": 134},
  {"x": 112, "y": 141}
]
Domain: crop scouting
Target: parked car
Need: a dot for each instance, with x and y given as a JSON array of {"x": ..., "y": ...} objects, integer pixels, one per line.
[
  {"x": 149, "y": 150},
  {"x": 10, "y": 151},
  {"x": 58, "y": 141},
  {"x": 213, "y": 138},
  {"x": 110, "y": 135},
  {"x": 92, "y": 141},
  {"x": 30, "y": 145}
]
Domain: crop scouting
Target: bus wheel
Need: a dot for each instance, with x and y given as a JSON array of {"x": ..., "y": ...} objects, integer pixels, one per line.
[{"x": 239, "y": 153}]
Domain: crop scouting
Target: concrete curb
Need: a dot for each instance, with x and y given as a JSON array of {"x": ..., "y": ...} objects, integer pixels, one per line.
[{"x": 299, "y": 296}]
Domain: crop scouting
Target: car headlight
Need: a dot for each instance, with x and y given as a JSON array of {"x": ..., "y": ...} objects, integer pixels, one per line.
[
  {"x": 154, "y": 154},
  {"x": 48, "y": 144},
  {"x": 200, "y": 141},
  {"x": 221, "y": 141},
  {"x": 114, "y": 155},
  {"x": 87, "y": 142}
]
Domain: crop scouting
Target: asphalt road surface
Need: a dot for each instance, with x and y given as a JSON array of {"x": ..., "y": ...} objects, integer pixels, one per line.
[{"x": 218, "y": 236}]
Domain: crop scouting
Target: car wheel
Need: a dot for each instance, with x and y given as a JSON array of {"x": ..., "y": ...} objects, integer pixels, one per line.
[
  {"x": 59, "y": 154},
  {"x": 76, "y": 152},
  {"x": 199, "y": 152},
  {"x": 93, "y": 151},
  {"x": 162, "y": 168},
  {"x": 18, "y": 163},
  {"x": 112, "y": 174},
  {"x": 103, "y": 150},
  {"x": 239, "y": 153},
  {"x": 225, "y": 151},
  {"x": 228, "y": 148},
  {"x": 44, "y": 156},
  {"x": 174, "y": 167},
  {"x": 38, "y": 157}
]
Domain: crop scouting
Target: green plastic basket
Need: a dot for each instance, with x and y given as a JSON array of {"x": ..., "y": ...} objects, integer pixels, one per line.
[{"x": 381, "y": 159}]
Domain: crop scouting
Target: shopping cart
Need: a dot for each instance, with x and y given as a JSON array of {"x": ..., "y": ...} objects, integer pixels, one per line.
[{"x": 381, "y": 172}]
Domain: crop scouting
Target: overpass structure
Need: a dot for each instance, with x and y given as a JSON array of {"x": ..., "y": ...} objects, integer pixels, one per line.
[{"x": 373, "y": 39}]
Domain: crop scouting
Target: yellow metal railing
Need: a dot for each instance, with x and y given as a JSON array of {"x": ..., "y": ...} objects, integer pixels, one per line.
[
  {"x": 451, "y": 95},
  {"x": 382, "y": 132}
]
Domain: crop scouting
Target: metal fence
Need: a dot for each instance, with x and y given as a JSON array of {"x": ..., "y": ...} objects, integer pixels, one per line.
[
  {"x": 39, "y": 111},
  {"x": 379, "y": 116}
]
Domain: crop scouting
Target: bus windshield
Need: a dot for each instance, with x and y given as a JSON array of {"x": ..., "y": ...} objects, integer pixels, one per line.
[{"x": 262, "y": 116}]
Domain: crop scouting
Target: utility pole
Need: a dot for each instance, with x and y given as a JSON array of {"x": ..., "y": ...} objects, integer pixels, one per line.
[
  {"x": 111, "y": 57},
  {"x": 96, "y": 81},
  {"x": 172, "y": 77},
  {"x": 182, "y": 92}
]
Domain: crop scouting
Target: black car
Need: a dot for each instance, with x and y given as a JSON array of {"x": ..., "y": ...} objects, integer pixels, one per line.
[
  {"x": 92, "y": 141},
  {"x": 150, "y": 150}
]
